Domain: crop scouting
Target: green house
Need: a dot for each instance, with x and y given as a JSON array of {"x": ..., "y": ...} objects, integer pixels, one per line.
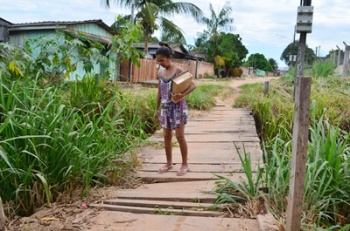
[{"x": 95, "y": 30}]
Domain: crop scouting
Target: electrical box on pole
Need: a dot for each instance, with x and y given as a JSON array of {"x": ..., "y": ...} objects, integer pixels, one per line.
[{"x": 304, "y": 19}]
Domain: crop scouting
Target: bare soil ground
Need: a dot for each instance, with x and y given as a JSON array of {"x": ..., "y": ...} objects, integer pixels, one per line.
[{"x": 76, "y": 215}]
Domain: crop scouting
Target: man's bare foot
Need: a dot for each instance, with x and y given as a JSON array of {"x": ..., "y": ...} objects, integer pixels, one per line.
[
  {"x": 183, "y": 170},
  {"x": 165, "y": 168}
]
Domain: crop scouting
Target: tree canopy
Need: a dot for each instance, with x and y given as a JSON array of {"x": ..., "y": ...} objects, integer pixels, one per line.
[
  {"x": 258, "y": 61},
  {"x": 151, "y": 14},
  {"x": 292, "y": 49}
]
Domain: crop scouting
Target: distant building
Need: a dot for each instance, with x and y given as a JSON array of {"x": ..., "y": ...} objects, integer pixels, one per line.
[
  {"x": 17, "y": 34},
  {"x": 180, "y": 52},
  {"x": 92, "y": 29}
]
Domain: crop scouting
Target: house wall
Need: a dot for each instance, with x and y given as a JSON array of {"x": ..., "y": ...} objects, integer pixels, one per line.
[
  {"x": 91, "y": 28},
  {"x": 18, "y": 38},
  {"x": 4, "y": 30},
  {"x": 204, "y": 68},
  {"x": 247, "y": 71}
]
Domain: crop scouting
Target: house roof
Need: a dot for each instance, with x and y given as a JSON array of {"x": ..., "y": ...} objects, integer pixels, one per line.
[
  {"x": 5, "y": 21},
  {"x": 197, "y": 55},
  {"x": 58, "y": 25},
  {"x": 84, "y": 36},
  {"x": 177, "y": 47}
]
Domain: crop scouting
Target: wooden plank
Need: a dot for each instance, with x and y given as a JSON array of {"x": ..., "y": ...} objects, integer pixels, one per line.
[
  {"x": 218, "y": 137},
  {"x": 164, "y": 204},
  {"x": 218, "y": 168},
  {"x": 200, "y": 146},
  {"x": 168, "y": 211},
  {"x": 185, "y": 191},
  {"x": 183, "y": 195},
  {"x": 155, "y": 177},
  {"x": 224, "y": 146},
  {"x": 3, "y": 218},
  {"x": 227, "y": 110},
  {"x": 220, "y": 118},
  {"x": 206, "y": 151},
  {"x": 219, "y": 126},
  {"x": 167, "y": 188},
  {"x": 218, "y": 122},
  {"x": 299, "y": 151},
  {"x": 200, "y": 159},
  {"x": 237, "y": 114},
  {"x": 215, "y": 130}
]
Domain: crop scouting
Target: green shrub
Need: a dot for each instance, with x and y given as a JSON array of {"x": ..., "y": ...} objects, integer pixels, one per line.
[{"x": 326, "y": 193}]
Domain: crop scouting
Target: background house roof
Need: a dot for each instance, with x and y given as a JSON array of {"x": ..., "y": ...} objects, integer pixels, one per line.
[
  {"x": 5, "y": 22},
  {"x": 58, "y": 24},
  {"x": 179, "y": 50}
]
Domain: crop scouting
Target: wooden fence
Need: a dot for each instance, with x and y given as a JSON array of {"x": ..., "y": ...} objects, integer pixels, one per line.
[{"x": 148, "y": 69}]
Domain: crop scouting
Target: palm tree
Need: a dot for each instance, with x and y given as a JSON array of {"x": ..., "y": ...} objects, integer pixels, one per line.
[
  {"x": 216, "y": 23},
  {"x": 219, "y": 21},
  {"x": 151, "y": 15},
  {"x": 222, "y": 20}
]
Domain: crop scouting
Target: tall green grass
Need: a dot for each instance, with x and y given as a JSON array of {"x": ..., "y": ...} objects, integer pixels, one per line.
[
  {"x": 47, "y": 146},
  {"x": 203, "y": 97},
  {"x": 60, "y": 139},
  {"x": 326, "y": 194},
  {"x": 322, "y": 69}
]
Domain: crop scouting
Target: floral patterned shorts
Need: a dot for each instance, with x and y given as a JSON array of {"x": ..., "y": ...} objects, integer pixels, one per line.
[{"x": 172, "y": 115}]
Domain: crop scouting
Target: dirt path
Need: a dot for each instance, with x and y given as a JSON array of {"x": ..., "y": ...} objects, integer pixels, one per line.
[{"x": 236, "y": 83}]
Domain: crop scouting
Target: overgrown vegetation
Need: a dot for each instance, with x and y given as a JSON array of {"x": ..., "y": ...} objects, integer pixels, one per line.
[
  {"x": 327, "y": 192},
  {"x": 59, "y": 138},
  {"x": 203, "y": 98},
  {"x": 49, "y": 144}
]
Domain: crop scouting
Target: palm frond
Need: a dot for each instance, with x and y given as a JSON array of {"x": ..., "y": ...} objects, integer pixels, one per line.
[
  {"x": 171, "y": 32},
  {"x": 183, "y": 8}
]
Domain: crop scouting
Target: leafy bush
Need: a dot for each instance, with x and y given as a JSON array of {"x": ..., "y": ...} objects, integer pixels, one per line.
[{"x": 60, "y": 138}]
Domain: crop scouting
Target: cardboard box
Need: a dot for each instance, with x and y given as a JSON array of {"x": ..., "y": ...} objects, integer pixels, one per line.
[{"x": 180, "y": 83}]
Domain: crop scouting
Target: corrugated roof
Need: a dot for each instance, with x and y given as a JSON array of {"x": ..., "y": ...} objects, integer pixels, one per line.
[
  {"x": 63, "y": 23},
  {"x": 81, "y": 35},
  {"x": 156, "y": 46}
]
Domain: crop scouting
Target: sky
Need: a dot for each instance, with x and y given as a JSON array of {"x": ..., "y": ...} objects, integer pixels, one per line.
[{"x": 265, "y": 26}]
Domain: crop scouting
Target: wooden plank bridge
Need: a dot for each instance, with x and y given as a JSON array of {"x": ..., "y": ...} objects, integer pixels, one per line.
[{"x": 181, "y": 203}]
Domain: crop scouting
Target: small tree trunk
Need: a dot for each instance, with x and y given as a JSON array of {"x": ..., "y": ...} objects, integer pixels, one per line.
[{"x": 3, "y": 219}]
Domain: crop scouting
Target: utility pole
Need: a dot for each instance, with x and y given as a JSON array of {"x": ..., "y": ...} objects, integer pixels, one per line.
[
  {"x": 302, "y": 88},
  {"x": 339, "y": 54},
  {"x": 294, "y": 46},
  {"x": 304, "y": 26},
  {"x": 346, "y": 60},
  {"x": 316, "y": 52},
  {"x": 132, "y": 18}
]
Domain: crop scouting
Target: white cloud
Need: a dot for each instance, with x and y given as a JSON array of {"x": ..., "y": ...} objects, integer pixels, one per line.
[{"x": 266, "y": 27}]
